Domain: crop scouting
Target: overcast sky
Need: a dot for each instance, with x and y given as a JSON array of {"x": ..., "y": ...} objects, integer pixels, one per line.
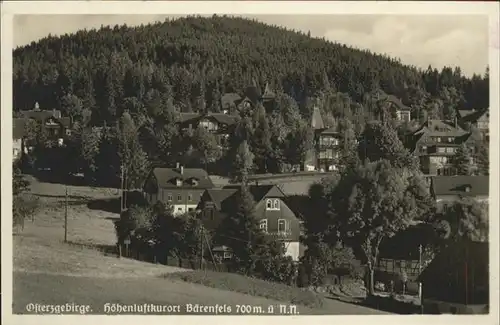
[{"x": 416, "y": 40}]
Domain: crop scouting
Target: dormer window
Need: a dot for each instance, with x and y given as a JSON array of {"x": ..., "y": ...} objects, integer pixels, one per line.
[
  {"x": 467, "y": 188},
  {"x": 178, "y": 182},
  {"x": 194, "y": 182}
]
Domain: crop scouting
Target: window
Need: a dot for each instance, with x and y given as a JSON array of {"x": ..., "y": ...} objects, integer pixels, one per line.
[
  {"x": 190, "y": 197},
  {"x": 190, "y": 209},
  {"x": 179, "y": 209},
  {"x": 263, "y": 225},
  {"x": 179, "y": 197},
  {"x": 276, "y": 204},
  {"x": 272, "y": 204},
  {"x": 178, "y": 182},
  {"x": 450, "y": 140},
  {"x": 450, "y": 150},
  {"x": 438, "y": 139},
  {"x": 227, "y": 255},
  {"x": 282, "y": 225},
  {"x": 442, "y": 150},
  {"x": 269, "y": 204},
  {"x": 169, "y": 198}
]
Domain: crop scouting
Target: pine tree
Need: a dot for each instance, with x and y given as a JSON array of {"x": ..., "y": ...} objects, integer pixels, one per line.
[
  {"x": 462, "y": 160},
  {"x": 261, "y": 141},
  {"x": 243, "y": 163}
]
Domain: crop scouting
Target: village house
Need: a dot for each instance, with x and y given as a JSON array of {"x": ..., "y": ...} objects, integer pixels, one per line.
[
  {"x": 276, "y": 219},
  {"x": 56, "y": 127},
  {"x": 435, "y": 144},
  {"x": 219, "y": 124},
  {"x": 393, "y": 107},
  {"x": 253, "y": 96},
  {"x": 457, "y": 280},
  {"x": 178, "y": 187},
  {"x": 448, "y": 189},
  {"x": 479, "y": 119}
]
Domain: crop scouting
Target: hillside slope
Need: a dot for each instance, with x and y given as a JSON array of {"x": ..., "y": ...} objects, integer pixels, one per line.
[{"x": 191, "y": 62}]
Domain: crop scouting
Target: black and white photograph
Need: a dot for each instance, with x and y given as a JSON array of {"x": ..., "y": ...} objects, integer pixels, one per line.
[{"x": 229, "y": 162}]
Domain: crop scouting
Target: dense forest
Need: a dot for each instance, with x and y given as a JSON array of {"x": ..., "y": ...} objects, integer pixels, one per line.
[{"x": 191, "y": 62}]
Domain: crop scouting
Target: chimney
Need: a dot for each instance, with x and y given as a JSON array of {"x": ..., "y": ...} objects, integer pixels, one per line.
[
  {"x": 456, "y": 122},
  {"x": 182, "y": 170},
  {"x": 37, "y": 106},
  {"x": 177, "y": 166}
]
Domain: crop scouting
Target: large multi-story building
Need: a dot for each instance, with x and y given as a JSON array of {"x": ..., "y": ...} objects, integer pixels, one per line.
[
  {"x": 178, "y": 187},
  {"x": 436, "y": 142}
]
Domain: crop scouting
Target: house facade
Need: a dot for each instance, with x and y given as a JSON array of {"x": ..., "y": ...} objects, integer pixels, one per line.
[
  {"x": 328, "y": 149},
  {"x": 276, "y": 219},
  {"x": 178, "y": 187},
  {"x": 435, "y": 144}
]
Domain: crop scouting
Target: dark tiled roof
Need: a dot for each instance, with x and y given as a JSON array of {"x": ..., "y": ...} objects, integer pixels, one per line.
[
  {"x": 229, "y": 99},
  {"x": 41, "y": 115},
  {"x": 457, "y": 185},
  {"x": 65, "y": 121},
  {"x": 396, "y": 101},
  {"x": 194, "y": 118},
  {"x": 218, "y": 196},
  {"x": 18, "y": 127},
  {"x": 224, "y": 118},
  {"x": 440, "y": 128},
  {"x": 185, "y": 117},
  {"x": 317, "y": 120},
  {"x": 332, "y": 130},
  {"x": 259, "y": 191},
  {"x": 474, "y": 116},
  {"x": 166, "y": 177}
]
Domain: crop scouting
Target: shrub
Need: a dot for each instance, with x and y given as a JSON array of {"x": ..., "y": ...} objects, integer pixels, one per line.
[{"x": 251, "y": 286}]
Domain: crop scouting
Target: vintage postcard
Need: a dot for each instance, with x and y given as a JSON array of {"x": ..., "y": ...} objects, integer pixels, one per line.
[{"x": 176, "y": 159}]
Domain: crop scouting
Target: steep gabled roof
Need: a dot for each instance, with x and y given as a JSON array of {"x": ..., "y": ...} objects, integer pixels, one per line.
[
  {"x": 474, "y": 116},
  {"x": 268, "y": 93},
  {"x": 457, "y": 185},
  {"x": 219, "y": 196},
  {"x": 259, "y": 192},
  {"x": 166, "y": 177},
  {"x": 316, "y": 119},
  {"x": 394, "y": 100},
  {"x": 440, "y": 128}
]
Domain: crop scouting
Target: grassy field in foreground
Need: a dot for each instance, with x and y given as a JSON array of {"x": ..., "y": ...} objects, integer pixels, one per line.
[
  {"x": 47, "y": 270},
  {"x": 251, "y": 286}
]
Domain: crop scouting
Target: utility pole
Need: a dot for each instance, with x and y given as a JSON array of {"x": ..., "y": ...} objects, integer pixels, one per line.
[
  {"x": 201, "y": 247},
  {"x": 66, "y": 216},
  {"x": 121, "y": 188}
]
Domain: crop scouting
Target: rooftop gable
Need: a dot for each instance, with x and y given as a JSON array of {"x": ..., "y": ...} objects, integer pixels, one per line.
[{"x": 166, "y": 177}]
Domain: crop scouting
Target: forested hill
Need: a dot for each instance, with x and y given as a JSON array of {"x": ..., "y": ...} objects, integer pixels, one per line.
[{"x": 191, "y": 62}]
